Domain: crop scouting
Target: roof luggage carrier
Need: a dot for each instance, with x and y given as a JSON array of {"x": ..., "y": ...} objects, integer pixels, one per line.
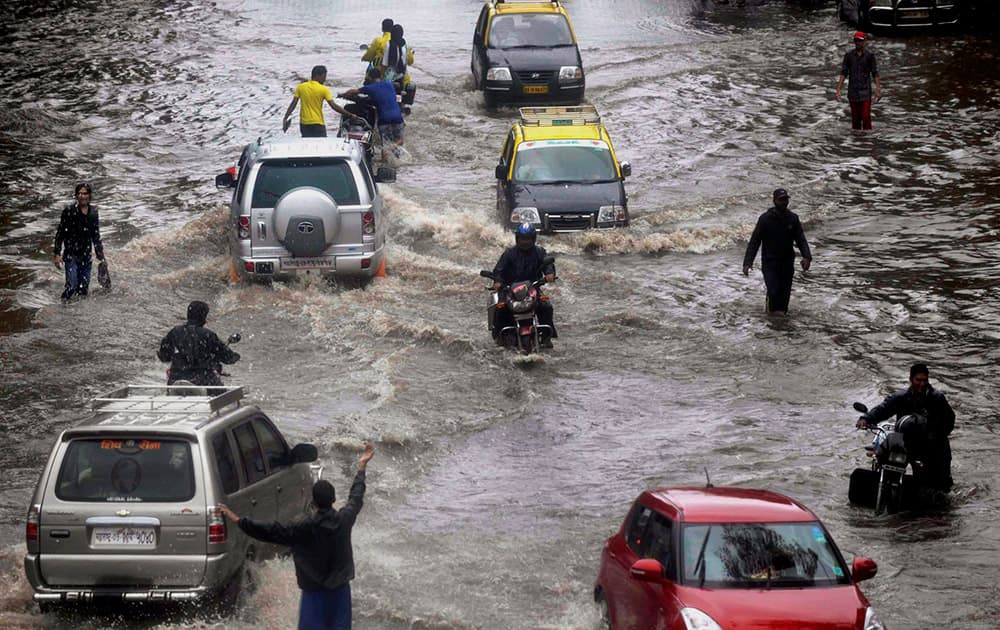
[
  {"x": 558, "y": 116},
  {"x": 167, "y": 399}
]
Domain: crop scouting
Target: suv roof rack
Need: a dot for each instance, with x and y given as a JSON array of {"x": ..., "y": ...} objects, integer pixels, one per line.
[
  {"x": 558, "y": 116},
  {"x": 167, "y": 399}
]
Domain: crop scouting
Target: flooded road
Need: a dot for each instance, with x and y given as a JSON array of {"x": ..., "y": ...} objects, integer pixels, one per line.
[{"x": 497, "y": 481}]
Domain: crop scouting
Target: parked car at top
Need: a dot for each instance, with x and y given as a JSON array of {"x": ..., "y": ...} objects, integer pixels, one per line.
[
  {"x": 558, "y": 171},
  {"x": 526, "y": 51},
  {"x": 125, "y": 507},
  {"x": 728, "y": 559},
  {"x": 900, "y": 14},
  {"x": 306, "y": 206}
]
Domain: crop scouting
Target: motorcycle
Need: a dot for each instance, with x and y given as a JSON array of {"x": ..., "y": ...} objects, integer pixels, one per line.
[
  {"x": 885, "y": 486},
  {"x": 521, "y": 299},
  {"x": 217, "y": 368},
  {"x": 365, "y": 129}
]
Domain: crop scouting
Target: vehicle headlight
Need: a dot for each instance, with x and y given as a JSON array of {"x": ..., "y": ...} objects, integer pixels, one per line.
[
  {"x": 498, "y": 74},
  {"x": 525, "y": 215},
  {"x": 570, "y": 73},
  {"x": 872, "y": 622},
  {"x": 896, "y": 457},
  {"x": 522, "y": 306},
  {"x": 610, "y": 214},
  {"x": 694, "y": 619}
]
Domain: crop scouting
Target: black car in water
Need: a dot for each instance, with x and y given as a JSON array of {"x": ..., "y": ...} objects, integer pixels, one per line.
[{"x": 900, "y": 14}]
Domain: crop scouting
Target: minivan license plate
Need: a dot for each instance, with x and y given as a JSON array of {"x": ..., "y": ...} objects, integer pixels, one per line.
[
  {"x": 325, "y": 262},
  {"x": 129, "y": 536},
  {"x": 536, "y": 89}
]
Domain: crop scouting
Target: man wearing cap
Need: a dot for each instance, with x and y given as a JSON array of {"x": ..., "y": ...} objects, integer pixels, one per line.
[
  {"x": 778, "y": 230},
  {"x": 859, "y": 68},
  {"x": 321, "y": 550},
  {"x": 923, "y": 400}
]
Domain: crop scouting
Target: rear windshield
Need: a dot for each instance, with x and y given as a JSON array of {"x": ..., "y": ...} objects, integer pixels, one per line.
[
  {"x": 275, "y": 178},
  {"x": 120, "y": 470},
  {"x": 530, "y": 30}
]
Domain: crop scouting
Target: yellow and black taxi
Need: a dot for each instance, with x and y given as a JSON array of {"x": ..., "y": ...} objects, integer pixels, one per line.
[
  {"x": 558, "y": 171},
  {"x": 526, "y": 52}
]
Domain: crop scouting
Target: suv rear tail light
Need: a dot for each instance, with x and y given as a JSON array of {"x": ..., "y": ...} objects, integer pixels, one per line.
[
  {"x": 216, "y": 526},
  {"x": 244, "y": 229},
  {"x": 368, "y": 223},
  {"x": 31, "y": 526}
]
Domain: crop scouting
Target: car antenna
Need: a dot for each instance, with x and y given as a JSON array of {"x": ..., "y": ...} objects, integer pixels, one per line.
[{"x": 708, "y": 480}]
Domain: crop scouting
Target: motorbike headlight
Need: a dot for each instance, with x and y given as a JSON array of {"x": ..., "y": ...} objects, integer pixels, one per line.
[
  {"x": 570, "y": 73},
  {"x": 525, "y": 214},
  {"x": 522, "y": 306},
  {"x": 872, "y": 622},
  {"x": 498, "y": 74},
  {"x": 897, "y": 457},
  {"x": 694, "y": 619},
  {"x": 610, "y": 214}
]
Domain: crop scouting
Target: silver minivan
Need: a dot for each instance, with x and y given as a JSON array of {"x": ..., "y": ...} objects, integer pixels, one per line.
[
  {"x": 306, "y": 206},
  {"x": 125, "y": 508}
]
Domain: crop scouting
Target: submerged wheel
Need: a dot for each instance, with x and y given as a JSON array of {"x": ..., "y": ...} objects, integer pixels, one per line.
[{"x": 602, "y": 607}]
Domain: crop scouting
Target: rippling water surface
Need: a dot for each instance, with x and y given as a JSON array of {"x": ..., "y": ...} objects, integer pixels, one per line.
[{"x": 496, "y": 480}]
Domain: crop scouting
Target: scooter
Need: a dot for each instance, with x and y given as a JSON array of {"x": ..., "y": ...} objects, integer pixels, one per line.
[
  {"x": 885, "y": 486},
  {"x": 234, "y": 338},
  {"x": 521, "y": 299}
]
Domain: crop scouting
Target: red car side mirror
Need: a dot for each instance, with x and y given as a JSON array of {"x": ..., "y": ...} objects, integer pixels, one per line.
[
  {"x": 648, "y": 570},
  {"x": 863, "y": 569}
]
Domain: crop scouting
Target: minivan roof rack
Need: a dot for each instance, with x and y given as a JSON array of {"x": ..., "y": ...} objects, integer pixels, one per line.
[
  {"x": 557, "y": 116},
  {"x": 167, "y": 399}
]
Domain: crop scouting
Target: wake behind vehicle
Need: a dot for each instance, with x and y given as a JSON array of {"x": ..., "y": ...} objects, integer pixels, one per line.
[
  {"x": 558, "y": 171},
  {"x": 521, "y": 300},
  {"x": 690, "y": 558},
  {"x": 885, "y": 486},
  {"x": 526, "y": 52},
  {"x": 125, "y": 507},
  {"x": 306, "y": 205}
]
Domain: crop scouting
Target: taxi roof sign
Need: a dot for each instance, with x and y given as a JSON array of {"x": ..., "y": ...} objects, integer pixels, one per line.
[{"x": 559, "y": 116}]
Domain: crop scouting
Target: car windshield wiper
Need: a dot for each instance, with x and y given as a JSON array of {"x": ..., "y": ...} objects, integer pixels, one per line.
[{"x": 700, "y": 562}]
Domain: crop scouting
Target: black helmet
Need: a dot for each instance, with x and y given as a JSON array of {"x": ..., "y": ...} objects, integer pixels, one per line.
[
  {"x": 197, "y": 312},
  {"x": 525, "y": 236}
]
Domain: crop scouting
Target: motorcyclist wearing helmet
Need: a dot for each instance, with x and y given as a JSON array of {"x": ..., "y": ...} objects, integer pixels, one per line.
[
  {"x": 520, "y": 263},
  {"x": 194, "y": 351},
  {"x": 922, "y": 400}
]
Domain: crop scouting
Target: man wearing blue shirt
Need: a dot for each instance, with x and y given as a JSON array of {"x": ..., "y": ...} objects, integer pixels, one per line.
[{"x": 390, "y": 117}]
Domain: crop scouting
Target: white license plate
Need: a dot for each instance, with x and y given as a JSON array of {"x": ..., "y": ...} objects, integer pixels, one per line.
[
  {"x": 326, "y": 262},
  {"x": 130, "y": 536}
]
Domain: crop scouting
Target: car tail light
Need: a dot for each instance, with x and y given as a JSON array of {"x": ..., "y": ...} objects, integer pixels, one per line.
[
  {"x": 216, "y": 526},
  {"x": 248, "y": 265},
  {"x": 368, "y": 223},
  {"x": 31, "y": 526},
  {"x": 366, "y": 263},
  {"x": 244, "y": 229}
]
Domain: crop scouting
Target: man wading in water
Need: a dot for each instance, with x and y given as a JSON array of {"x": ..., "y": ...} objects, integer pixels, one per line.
[
  {"x": 79, "y": 228},
  {"x": 778, "y": 230}
]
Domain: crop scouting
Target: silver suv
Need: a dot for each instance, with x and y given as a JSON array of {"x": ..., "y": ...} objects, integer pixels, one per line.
[
  {"x": 308, "y": 205},
  {"x": 125, "y": 509}
]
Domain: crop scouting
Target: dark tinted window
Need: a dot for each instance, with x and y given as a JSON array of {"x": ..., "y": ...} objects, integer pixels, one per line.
[
  {"x": 659, "y": 532},
  {"x": 635, "y": 533},
  {"x": 250, "y": 455},
  {"x": 275, "y": 451},
  {"x": 225, "y": 463},
  {"x": 275, "y": 178},
  {"x": 126, "y": 470},
  {"x": 529, "y": 30}
]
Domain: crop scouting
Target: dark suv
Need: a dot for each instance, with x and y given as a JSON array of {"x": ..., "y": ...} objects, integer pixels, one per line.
[{"x": 526, "y": 52}]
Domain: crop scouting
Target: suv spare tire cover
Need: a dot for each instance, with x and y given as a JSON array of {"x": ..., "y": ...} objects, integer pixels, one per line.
[{"x": 306, "y": 221}]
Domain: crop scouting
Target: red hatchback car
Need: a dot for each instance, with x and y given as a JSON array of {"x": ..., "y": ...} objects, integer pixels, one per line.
[{"x": 728, "y": 559}]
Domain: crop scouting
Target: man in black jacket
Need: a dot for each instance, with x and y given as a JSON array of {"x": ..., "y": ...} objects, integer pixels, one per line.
[
  {"x": 520, "y": 263},
  {"x": 933, "y": 448},
  {"x": 321, "y": 550},
  {"x": 79, "y": 228},
  {"x": 194, "y": 351},
  {"x": 778, "y": 230}
]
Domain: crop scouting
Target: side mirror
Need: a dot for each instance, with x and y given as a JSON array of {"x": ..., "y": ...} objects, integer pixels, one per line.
[
  {"x": 486, "y": 274},
  {"x": 225, "y": 180},
  {"x": 385, "y": 175},
  {"x": 860, "y": 408},
  {"x": 863, "y": 569},
  {"x": 304, "y": 453},
  {"x": 548, "y": 260},
  {"x": 501, "y": 171},
  {"x": 234, "y": 338},
  {"x": 647, "y": 570},
  {"x": 626, "y": 169}
]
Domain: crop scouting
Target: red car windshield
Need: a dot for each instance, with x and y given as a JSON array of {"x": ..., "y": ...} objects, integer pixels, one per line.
[{"x": 760, "y": 555}]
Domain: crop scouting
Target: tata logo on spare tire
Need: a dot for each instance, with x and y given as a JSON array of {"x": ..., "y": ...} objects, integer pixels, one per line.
[{"x": 306, "y": 227}]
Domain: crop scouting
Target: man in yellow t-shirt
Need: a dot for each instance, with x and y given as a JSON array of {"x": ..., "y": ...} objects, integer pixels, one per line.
[
  {"x": 373, "y": 54},
  {"x": 312, "y": 93}
]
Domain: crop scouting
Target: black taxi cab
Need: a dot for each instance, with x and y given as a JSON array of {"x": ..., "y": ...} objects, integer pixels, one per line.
[
  {"x": 526, "y": 52},
  {"x": 558, "y": 171}
]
